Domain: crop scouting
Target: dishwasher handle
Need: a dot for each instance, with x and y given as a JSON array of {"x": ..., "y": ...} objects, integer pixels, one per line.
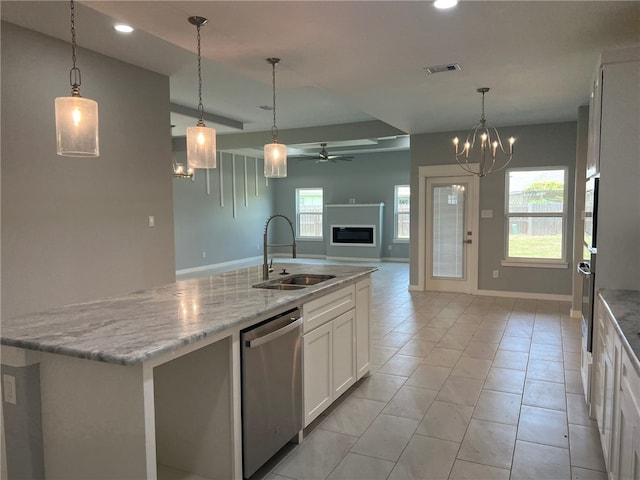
[{"x": 256, "y": 342}]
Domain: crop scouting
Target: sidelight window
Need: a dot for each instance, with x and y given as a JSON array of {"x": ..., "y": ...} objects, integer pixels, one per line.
[{"x": 401, "y": 212}]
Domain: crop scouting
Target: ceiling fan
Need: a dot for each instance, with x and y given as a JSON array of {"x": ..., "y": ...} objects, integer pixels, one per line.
[{"x": 323, "y": 156}]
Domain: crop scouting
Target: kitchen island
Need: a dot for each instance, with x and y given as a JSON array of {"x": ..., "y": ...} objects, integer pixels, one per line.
[{"x": 148, "y": 384}]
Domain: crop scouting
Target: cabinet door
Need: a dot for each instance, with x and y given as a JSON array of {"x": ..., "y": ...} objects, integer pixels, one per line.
[
  {"x": 363, "y": 331},
  {"x": 317, "y": 351},
  {"x": 628, "y": 426},
  {"x": 344, "y": 352}
]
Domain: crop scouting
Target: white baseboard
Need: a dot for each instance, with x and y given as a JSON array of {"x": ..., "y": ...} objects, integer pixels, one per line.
[
  {"x": 353, "y": 259},
  {"x": 222, "y": 267},
  {"x": 575, "y": 313},
  {"x": 506, "y": 294},
  {"x": 395, "y": 259}
]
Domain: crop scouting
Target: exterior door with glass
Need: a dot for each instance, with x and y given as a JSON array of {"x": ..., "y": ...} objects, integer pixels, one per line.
[{"x": 451, "y": 236}]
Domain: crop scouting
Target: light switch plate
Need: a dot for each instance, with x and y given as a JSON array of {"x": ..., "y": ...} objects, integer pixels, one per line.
[
  {"x": 486, "y": 213},
  {"x": 9, "y": 388}
]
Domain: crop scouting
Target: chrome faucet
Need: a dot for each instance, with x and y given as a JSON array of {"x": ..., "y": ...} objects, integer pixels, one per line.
[{"x": 265, "y": 264}]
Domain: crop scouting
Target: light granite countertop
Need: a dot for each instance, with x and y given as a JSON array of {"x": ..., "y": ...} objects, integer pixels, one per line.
[
  {"x": 624, "y": 306},
  {"x": 130, "y": 329}
]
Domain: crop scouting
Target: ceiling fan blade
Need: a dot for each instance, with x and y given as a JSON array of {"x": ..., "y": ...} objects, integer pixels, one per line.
[{"x": 341, "y": 158}]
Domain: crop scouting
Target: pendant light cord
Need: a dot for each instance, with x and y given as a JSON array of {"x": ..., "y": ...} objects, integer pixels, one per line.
[
  {"x": 200, "y": 105},
  {"x": 274, "y": 129},
  {"x": 74, "y": 74}
]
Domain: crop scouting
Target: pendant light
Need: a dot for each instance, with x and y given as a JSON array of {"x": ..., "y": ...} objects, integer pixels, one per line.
[
  {"x": 76, "y": 117},
  {"x": 201, "y": 140},
  {"x": 490, "y": 154},
  {"x": 275, "y": 154}
]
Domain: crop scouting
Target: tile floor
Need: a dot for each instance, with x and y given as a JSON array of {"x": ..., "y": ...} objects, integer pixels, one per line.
[{"x": 462, "y": 387}]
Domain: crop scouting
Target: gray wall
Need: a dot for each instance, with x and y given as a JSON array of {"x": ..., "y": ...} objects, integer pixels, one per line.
[
  {"x": 369, "y": 178},
  {"x": 537, "y": 145},
  {"x": 75, "y": 229},
  {"x": 203, "y": 225}
]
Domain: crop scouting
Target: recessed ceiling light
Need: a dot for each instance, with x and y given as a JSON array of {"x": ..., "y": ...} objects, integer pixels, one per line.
[
  {"x": 123, "y": 28},
  {"x": 444, "y": 4}
]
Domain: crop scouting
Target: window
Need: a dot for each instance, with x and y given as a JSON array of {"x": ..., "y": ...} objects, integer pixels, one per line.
[
  {"x": 309, "y": 213},
  {"x": 536, "y": 215},
  {"x": 401, "y": 211}
]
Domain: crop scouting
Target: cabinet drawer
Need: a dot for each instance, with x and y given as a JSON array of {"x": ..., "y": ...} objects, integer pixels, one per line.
[
  {"x": 629, "y": 380},
  {"x": 326, "y": 308}
]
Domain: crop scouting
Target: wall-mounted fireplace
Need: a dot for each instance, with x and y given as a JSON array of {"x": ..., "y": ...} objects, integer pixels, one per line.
[
  {"x": 354, "y": 231},
  {"x": 357, "y": 236}
]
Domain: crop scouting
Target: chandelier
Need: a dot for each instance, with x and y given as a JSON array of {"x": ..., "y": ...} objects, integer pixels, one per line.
[{"x": 483, "y": 147}]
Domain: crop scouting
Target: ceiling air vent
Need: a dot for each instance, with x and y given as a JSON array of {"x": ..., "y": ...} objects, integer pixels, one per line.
[{"x": 442, "y": 68}]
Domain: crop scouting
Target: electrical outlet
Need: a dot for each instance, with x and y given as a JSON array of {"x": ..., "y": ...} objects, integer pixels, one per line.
[
  {"x": 9, "y": 388},
  {"x": 390, "y": 247},
  {"x": 152, "y": 221},
  {"x": 204, "y": 254},
  {"x": 496, "y": 274}
]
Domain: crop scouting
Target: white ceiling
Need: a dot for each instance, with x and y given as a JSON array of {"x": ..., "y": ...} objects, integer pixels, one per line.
[{"x": 357, "y": 61}]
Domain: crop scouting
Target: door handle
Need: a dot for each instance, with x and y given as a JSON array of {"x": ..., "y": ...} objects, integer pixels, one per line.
[
  {"x": 256, "y": 342},
  {"x": 467, "y": 241}
]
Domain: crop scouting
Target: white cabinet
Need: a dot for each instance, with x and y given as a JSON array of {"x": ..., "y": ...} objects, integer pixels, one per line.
[
  {"x": 606, "y": 378},
  {"x": 317, "y": 348},
  {"x": 335, "y": 345},
  {"x": 363, "y": 332},
  {"x": 628, "y": 424}
]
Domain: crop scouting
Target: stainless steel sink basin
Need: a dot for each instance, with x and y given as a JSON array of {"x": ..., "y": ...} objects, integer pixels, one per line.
[
  {"x": 305, "y": 279},
  {"x": 294, "y": 282}
]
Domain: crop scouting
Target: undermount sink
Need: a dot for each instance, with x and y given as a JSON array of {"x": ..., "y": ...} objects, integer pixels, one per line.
[{"x": 294, "y": 282}]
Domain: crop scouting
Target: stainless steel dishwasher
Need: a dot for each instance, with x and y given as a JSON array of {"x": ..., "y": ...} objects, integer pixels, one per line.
[{"x": 271, "y": 387}]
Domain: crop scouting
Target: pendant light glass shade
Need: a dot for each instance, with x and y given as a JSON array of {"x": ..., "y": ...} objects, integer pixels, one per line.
[
  {"x": 275, "y": 154},
  {"x": 77, "y": 127},
  {"x": 201, "y": 147},
  {"x": 76, "y": 117},
  {"x": 201, "y": 140},
  {"x": 275, "y": 160}
]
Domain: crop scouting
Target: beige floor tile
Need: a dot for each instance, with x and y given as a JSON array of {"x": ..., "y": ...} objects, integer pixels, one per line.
[
  {"x": 394, "y": 339},
  {"x": 386, "y": 437},
  {"x": 410, "y": 326},
  {"x": 515, "y": 343},
  {"x": 488, "y": 443},
  {"x": 498, "y": 407},
  {"x": 464, "y": 391},
  {"x": 379, "y": 331},
  {"x": 487, "y": 335},
  {"x": 577, "y": 411},
  {"x": 462, "y": 328},
  {"x": 425, "y": 457},
  {"x": 402, "y": 365},
  {"x": 417, "y": 348},
  {"x": 410, "y": 402},
  {"x": 317, "y": 456},
  {"x": 360, "y": 467},
  {"x": 532, "y": 461},
  {"x": 542, "y": 425},
  {"x": 447, "y": 421},
  {"x": 471, "y": 368},
  {"x": 429, "y": 377},
  {"x": 571, "y": 360},
  {"x": 511, "y": 359},
  {"x": 585, "y": 448},
  {"x": 431, "y": 334},
  {"x": 545, "y": 370},
  {"x": 482, "y": 350},
  {"x": 442, "y": 357},
  {"x": 578, "y": 473},
  {"x": 379, "y": 387},
  {"x": 273, "y": 476},
  {"x": 518, "y": 329},
  {"x": 547, "y": 338},
  {"x": 550, "y": 353},
  {"x": 505, "y": 380},
  {"x": 457, "y": 342},
  {"x": 572, "y": 344},
  {"x": 353, "y": 416},
  {"x": 538, "y": 393},
  {"x": 381, "y": 354},
  {"x": 470, "y": 319},
  {"x": 441, "y": 322},
  {"x": 474, "y": 471},
  {"x": 573, "y": 382}
]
